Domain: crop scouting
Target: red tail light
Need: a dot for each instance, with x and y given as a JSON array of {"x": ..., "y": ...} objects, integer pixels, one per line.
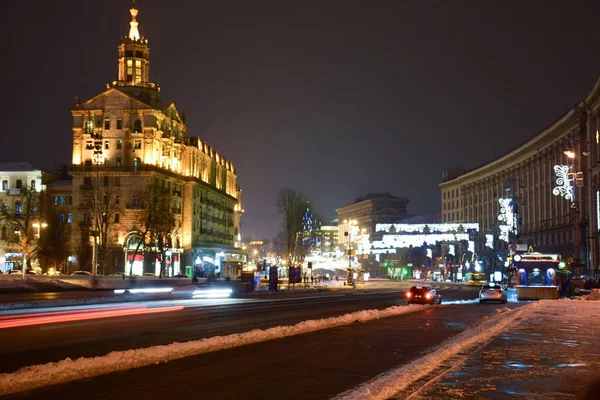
[
  {"x": 408, "y": 294},
  {"x": 428, "y": 296}
]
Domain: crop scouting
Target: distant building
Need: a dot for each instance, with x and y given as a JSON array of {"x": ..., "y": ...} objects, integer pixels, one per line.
[
  {"x": 362, "y": 216},
  {"x": 16, "y": 178},
  {"x": 328, "y": 237}
]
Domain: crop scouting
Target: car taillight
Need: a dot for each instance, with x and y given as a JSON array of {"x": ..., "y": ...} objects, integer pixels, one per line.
[{"x": 428, "y": 296}]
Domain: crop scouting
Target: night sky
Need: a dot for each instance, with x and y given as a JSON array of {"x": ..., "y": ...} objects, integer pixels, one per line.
[{"x": 334, "y": 98}]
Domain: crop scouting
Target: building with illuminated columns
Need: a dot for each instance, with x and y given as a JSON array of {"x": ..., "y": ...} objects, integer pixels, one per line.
[
  {"x": 522, "y": 198},
  {"x": 128, "y": 138}
]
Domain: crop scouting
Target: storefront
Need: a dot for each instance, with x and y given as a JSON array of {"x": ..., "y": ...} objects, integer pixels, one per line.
[{"x": 536, "y": 276}]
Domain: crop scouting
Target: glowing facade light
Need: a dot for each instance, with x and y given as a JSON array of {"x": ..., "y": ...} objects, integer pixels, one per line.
[{"x": 563, "y": 185}]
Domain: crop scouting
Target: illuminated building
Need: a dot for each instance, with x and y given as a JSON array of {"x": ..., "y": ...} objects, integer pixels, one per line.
[
  {"x": 545, "y": 217},
  {"x": 368, "y": 211},
  {"x": 129, "y": 138},
  {"x": 15, "y": 177}
]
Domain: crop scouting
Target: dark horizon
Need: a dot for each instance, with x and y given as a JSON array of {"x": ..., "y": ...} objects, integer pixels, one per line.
[{"x": 336, "y": 99}]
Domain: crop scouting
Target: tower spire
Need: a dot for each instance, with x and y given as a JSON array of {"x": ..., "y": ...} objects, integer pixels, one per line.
[{"x": 134, "y": 34}]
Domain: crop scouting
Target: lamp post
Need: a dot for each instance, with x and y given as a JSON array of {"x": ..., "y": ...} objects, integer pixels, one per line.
[
  {"x": 39, "y": 226},
  {"x": 97, "y": 148},
  {"x": 349, "y": 234}
]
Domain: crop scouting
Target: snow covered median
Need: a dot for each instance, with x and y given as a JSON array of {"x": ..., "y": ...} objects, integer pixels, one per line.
[
  {"x": 67, "y": 370},
  {"x": 398, "y": 379}
]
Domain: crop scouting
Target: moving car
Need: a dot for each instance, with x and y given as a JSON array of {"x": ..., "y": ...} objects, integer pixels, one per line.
[
  {"x": 423, "y": 295},
  {"x": 492, "y": 292},
  {"x": 81, "y": 273}
]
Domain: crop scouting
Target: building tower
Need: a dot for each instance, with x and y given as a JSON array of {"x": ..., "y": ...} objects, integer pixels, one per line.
[{"x": 134, "y": 57}]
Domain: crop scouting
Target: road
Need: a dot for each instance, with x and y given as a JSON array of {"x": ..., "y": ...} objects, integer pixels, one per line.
[{"x": 346, "y": 355}]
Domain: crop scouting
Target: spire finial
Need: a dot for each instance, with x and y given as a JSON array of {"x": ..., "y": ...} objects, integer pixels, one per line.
[{"x": 134, "y": 34}]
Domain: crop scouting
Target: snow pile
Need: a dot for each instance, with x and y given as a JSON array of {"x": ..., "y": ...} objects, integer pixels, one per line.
[
  {"x": 595, "y": 295},
  {"x": 392, "y": 382},
  {"x": 67, "y": 370}
]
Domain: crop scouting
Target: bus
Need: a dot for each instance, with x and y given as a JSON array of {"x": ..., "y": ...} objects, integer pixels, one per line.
[{"x": 475, "y": 278}]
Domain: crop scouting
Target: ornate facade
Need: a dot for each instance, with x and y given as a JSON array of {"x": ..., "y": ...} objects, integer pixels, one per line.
[
  {"x": 128, "y": 139},
  {"x": 542, "y": 217}
]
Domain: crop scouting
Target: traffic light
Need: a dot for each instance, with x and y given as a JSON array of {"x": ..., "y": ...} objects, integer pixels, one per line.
[
  {"x": 386, "y": 263},
  {"x": 404, "y": 271}
]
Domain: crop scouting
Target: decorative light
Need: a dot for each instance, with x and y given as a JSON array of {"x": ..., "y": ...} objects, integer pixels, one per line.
[
  {"x": 563, "y": 185},
  {"x": 441, "y": 228}
]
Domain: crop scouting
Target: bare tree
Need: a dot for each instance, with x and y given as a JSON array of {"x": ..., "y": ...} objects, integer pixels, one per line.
[
  {"x": 19, "y": 221},
  {"x": 108, "y": 207},
  {"x": 155, "y": 222},
  {"x": 53, "y": 245},
  {"x": 292, "y": 205}
]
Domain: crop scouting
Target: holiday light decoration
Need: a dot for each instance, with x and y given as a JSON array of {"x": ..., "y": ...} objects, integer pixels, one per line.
[{"x": 564, "y": 187}]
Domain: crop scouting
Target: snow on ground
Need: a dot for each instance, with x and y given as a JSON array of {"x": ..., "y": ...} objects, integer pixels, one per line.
[
  {"x": 12, "y": 283},
  {"x": 386, "y": 385},
  {"x": 552, "y": 354},
  {"x": 68, "y": 370}
]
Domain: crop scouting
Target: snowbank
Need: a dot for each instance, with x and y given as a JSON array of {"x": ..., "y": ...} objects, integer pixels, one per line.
[
  {"x": 67, "y": 370},
  {"x": 395, "y": 380}
]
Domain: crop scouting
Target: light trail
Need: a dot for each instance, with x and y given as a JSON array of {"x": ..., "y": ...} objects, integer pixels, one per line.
[
  {"x": 65, "y": 312},
  {"x": 82, "y": 316}
]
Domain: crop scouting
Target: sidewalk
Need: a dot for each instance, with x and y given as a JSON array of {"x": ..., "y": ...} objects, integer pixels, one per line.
[{"x": 552, "y": 353}]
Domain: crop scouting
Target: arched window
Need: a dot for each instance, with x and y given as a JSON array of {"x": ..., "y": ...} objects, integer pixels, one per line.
[
  {"x": 137, "y": 125},
  {"x": 136, "y": 163},
  {"x": 89, "y": 127},
  {"x": 18, "y": 207},
  {"x": 19, "y": 184}
]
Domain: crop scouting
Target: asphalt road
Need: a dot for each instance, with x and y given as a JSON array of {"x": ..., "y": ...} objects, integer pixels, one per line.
[{"x": 317, "y": 365}]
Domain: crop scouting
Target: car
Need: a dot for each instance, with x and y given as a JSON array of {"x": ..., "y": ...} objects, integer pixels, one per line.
[
  {"x": 492, "y": 292},
  {"x": 149, "y": 274},
  {"x": 423, "y": 295},
  {"x": 81, "y": 273},
  {"x": 15, "y": 272}
]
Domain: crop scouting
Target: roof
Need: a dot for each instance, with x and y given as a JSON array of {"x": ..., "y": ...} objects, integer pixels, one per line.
[
  {"x": 62, "y": 182},
  {"x": 17, "y": 167},
  {"x": 149, "y": 97}
]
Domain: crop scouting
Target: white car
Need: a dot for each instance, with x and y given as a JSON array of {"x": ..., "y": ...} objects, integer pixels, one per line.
[
  {"x": 81, "y": 273},
  {"x": 492, "y": 292}
]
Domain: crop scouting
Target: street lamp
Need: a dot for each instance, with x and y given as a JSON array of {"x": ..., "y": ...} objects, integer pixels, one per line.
[{"x": 352, "y": 224}]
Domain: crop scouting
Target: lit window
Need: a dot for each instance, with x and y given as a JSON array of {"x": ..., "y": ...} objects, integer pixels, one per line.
[
  {"x": 55, "y": 200},
  {"x": 70, "y": 218},
  {"x": 63, "y": 200},
  {"x": 119, "y": 143},
  {"x": 137, "y": 144},
  {"x": 62, "y": 218},
  {"x": 106, "y": 144},
  {"x": 32, "y": 184},
  {"x": 129, "y": 68},
  {"x": 89, "y": 127},
  {"x": 5, "y": 185},
  {"x": 138, "y": 71},
  {"x": 18, "y": 208},
  {"x": 119, "y": 162}
]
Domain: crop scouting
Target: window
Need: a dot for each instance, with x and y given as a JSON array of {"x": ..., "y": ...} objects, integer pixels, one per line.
[
  {"x": 4, "y": 208},
  {"x": 105, "y": 199},
  {"x": 119, "y": 162},
  {"x": 4, "y": 235},
  {"x": 137, "y": 125},
  {"x": 55, "y": 200},
  {"x": 137, "y": 163},
  {"x": 106, "y": 144},
  {"x": 138, "y": 71},
  {"x": 70, "y": 218},
  {"x": 89, "y": 127},
  {"x": 107, "y": 124},
  {"x": 4, "y": 185},
  {"x": 63, "y": 200},
  {"x": 129, "y": 70},
  {"x": 19, "y": 184},
  {"x": 32, "y": 184},
  {"x": 70, "y": 200},
  {"x": 62, "y": 218},
  {"x": 136, "y": 202},
  {"x": 106, "y": 181},
  {"x": 117, "y": 199},
  {"x": 18, "y": 207},
  {"x": 119, "y": 144},
  {"x": 89, "y": 145},
  {"x": 117, "y": 181},
  {"x": 116, "y": 218},
  {"x": 119, "y": 124},
  {"x": 137, "y": 144}
]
